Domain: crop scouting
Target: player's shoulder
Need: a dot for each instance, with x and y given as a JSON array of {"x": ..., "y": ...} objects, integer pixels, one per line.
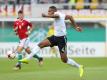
[
  {"x": 59, "y": 12},
  {"x": 16, "y": 21},
  {"x": 61, "y": 15},
  {"x": 25, "y": 20}
]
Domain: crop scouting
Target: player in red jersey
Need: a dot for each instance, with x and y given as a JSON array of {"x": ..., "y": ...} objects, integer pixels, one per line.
[{"x": 21, "y": 29}]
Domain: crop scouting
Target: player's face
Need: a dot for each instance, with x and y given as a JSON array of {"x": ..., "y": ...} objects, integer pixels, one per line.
[
  {"x": 20, "y": 16},
  {"x": 51, "y": 11}
]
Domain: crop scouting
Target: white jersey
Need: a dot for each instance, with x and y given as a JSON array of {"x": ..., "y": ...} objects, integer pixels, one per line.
[{"x": 59, "y": 25}]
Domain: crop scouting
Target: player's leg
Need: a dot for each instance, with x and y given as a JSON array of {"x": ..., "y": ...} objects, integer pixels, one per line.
[
  {"x": 18, "y": 52},
  {"x": 62, "y": 45},
  {"x": 28, "y": 50},
  {"x": 37, "y": 49},
  {"x": 45, "y": 43},
  {"x": 63, "y": 53},
  {"x": 72, "y": 63},
  {"x": 68, "y": 60},
  {"x": 40, "y": 59},
  {"x": 19, "y": 57}
]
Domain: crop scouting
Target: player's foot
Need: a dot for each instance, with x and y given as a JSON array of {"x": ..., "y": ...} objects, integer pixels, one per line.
[
  {"x": 17, "y": 67},
  {"x": 40, "y": 61},
  {"x": 81, "y": 70},
  {"x": 24, "y": 60}
]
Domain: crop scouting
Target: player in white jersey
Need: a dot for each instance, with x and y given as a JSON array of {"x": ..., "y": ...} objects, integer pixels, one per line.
[{"x": 59, "y": 38}]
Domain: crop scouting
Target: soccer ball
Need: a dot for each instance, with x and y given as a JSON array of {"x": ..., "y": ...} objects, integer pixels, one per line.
[{"x": 11, "y": 55}]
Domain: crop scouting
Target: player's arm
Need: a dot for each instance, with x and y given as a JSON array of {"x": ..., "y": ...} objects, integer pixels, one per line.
[
  {"x": 50, "y": 16},
  {"x": 15, "y": 28},
  {"x": 68, "y": 17},
  {"x": 29, "y": 28}
]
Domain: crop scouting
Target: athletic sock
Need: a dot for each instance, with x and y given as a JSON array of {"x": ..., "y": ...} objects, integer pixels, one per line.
[
  {"x": 34, "y": 51},
  {"x": 73, "y": 63},
  {"x": 19, "y": 57},
  {"x": 37, "y": 57}
]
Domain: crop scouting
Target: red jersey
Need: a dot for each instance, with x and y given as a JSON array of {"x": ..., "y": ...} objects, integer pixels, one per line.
[{"x": 21, "y": 28}]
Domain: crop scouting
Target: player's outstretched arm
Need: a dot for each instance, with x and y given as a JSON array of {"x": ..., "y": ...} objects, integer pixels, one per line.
[
  {"x": 15, "y": 28},
  {"x": 68, "y": 17},
  {"x": 29, "y": 31},
  {"x": 30, "y": 28},
  {"x": 50, "y": 16}
]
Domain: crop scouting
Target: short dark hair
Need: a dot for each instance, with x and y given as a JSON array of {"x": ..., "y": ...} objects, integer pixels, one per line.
[
  {"x": 53, "y": 7},
  {"x": 20, "y": 11}
]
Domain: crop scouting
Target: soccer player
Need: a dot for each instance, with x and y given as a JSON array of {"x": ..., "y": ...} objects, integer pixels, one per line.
[
  {"x": 22, "y": 29},
  {"x": 59, "y": 38}
]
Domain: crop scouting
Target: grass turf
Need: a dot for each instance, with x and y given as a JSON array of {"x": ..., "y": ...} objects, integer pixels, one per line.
[{"x": 54, "y": 69}]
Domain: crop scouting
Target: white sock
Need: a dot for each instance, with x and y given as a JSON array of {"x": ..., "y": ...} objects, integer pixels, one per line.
[
  {"x": 35, "y": 50},
  {"x": 73, "y": 63}
]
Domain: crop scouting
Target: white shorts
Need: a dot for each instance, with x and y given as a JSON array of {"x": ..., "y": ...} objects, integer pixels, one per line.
[{"x": 24, "y": 43}]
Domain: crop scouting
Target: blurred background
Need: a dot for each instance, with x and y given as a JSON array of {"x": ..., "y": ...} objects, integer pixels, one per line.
[{"x": 91, "y": 15}]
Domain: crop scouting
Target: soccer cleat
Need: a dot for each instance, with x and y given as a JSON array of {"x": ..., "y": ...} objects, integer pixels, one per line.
[
  {"x": 81, "y": 70},
  {"x": 40, "y": 61},
  {"x": 24, "y": 60},
  {"x": 17, "y": 67}
]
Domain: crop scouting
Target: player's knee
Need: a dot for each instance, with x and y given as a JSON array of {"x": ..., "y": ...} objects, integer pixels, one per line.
[
  {"x": 64, "y": 60},
  {"x": 28, "y": 50},
  {"x": 41, "y": 45},
  {"x": 63, "y": 57},
  {"x": 19, "y": 51}
]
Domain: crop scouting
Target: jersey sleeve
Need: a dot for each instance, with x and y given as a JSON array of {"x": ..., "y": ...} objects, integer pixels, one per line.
[
  {"x": 56, "y": 13},
  {"x": 30, "y": 24},
  {"x": 15, "y": 28},
  {"x": 14, "y": 25},
  {"x": 61, "y": 15}
]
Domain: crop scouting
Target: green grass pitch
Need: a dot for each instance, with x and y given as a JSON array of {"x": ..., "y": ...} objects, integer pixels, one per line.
[{"x": 54, "y": 69}]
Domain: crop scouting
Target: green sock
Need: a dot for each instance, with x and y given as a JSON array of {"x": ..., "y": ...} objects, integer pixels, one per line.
[
  {"x": 36, "y": 56},
  {"x": 19, "y": 58}
]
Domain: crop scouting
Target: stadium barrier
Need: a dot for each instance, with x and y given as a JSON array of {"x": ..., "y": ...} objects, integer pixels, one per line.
[{"x": 74, "y": 49}]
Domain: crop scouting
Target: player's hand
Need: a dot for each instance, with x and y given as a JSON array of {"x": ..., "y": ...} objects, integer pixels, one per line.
[
  {"x": 16, "y": 28},
  {"x": 43, "y": 15},
  {"x": 78, "y": 28},
  {"x": 16, "y": 33},
  {"x": 28, "y": 33}
]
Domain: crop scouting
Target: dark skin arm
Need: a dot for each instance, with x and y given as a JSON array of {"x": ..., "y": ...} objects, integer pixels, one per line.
[
  {"x": 50, "y": 16},
  {"x": 68, "y": 17}
]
